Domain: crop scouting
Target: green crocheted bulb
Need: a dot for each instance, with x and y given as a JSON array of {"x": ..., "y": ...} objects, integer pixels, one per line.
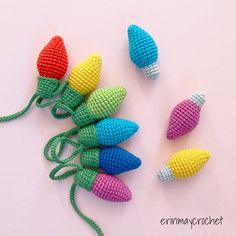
[
  {"x": 101, "y": 104},
  {"x": 85, "y": 178},
  {"x": 46, "y": 87},
  {"x": 105, "y": 101},
  {"x": 90, "y": 158}
]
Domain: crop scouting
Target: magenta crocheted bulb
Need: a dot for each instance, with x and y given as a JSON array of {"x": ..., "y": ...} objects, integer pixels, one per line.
[
  {"x": 183, "y": 119},
  {"x": 111, "y": 188}
]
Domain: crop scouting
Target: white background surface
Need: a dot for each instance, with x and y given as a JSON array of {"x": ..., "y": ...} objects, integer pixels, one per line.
[{"x": 196, "y": 52}]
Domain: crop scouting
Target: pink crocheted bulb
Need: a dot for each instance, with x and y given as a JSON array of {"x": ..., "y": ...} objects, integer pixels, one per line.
[
  {"x": 183, "y": 119},
  {"x": 111, "y": 188}
]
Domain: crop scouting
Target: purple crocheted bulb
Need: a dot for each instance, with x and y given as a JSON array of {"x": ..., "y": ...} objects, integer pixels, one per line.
[
  {"x": 111, "y": 188},
  {"x": 183, "y": 119}
]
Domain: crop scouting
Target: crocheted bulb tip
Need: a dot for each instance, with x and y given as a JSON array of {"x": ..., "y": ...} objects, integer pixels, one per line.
[
  {"x": 143, "y": 50},
  {"x": 116, "y": 160},
  {"x": 188, "y": 162},
  {"x": 110, "y": 188},
  {"x": 165, "y": 174},
  {"x": 198, "y": 98},
  {"x": 151, "y": 72},
  {"x": 85, "y": 76},
  {"x": 112, "y": 131},
  {"x": 106, "y": 101},
  {"x": 183, "y": 119},
  {"x": 52, "y": 61}
]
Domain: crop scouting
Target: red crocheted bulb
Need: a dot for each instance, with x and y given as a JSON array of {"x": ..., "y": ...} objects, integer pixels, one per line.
[{"x": 52, "y": 61}]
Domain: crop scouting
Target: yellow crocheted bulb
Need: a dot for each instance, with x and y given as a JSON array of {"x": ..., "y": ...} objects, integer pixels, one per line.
[
  {"x": 85, "y": 76},
  {"x": 187, "y": 163}
]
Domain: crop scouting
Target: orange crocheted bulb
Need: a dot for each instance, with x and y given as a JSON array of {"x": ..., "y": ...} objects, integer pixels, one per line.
[{"x": 52, "y": 61}]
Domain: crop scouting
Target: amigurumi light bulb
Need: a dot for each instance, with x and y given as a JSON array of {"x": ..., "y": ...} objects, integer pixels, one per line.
[
  {"x": 113, "y": 160},
  {"x": 143, "y": 51},
  {"x": 103, "y": 186},
  {"x": 102, "y": 103},
  {"x": 83, "y": 79},
  {"x": 52, "y": 64},
  {"x": 108, "y": 132},
  {"x": 185, "y": 116},
  {"x": 184, "y": 164},
  {"x": 52, "y": 61}
]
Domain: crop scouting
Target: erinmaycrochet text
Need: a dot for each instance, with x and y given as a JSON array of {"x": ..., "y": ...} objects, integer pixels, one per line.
[{"x": 192, "y": 221}]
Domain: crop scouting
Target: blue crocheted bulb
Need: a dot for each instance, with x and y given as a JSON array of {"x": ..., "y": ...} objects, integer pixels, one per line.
[
  {"x": 116, "y": 160},
  {"x": 112, "y": 131},
  {"x": 143, "y": 51}
]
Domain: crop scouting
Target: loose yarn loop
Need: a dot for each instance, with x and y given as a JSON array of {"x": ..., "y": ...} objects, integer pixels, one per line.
[
  {"x": 61, "y": 139},
  {"x": 77, "y": 167},
  {"x": 67, "y": 111}
]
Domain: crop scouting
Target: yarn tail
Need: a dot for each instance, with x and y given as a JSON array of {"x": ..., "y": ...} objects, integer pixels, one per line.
[
  {"x": 20, "y": 113},
  {"x": 84, "y": 217}
]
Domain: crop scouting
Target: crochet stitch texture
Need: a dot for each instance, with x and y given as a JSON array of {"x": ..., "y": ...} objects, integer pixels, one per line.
[
  {"x": 184, "y": 164},
  {"x": 185, "y": 116},
  {"x": 102, "y": 103},
  {"x": 52, "y": 65},
  {"x": 83, "y": 80},
  {"x": 113, "y": 160},
  {"x": 85, "y": 76},
  {"x": 103, "y": 186},
  {"x": 143, "y": 51},
  {"x": 111, "y": 188},
  {"x": 52, "y": 61},
  {"x": 109, "y": 131}
]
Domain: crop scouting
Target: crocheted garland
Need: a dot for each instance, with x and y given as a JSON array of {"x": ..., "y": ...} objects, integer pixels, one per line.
[
  {"x": 97, "y": 134},
  {"x": 184, "y": 164},
  {"x": 90, "y": 137}
]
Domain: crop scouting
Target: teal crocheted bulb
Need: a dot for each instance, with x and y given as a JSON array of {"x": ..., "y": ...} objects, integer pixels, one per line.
[
  {"x": 108, "y": 132},
  {"x": 142, "y": 47},
  {"x": 112, "y": 131}
]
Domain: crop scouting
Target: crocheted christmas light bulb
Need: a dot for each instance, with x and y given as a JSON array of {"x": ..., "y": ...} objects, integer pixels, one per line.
[
  {"x": 143, "y": 51},
  {"x": 52, "y": 65},
  {"x": 109, "y": 132},
  {"x": 102, "y": 103},
  {"x": 83, "y": 80},
  {"x": 184, "y": 164},
  {"x": 103, "y": 186},
  {"x": 113, "y": 160},
  {"x": 52, "y": 60},
  {"x": 185, "y": 116}
]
